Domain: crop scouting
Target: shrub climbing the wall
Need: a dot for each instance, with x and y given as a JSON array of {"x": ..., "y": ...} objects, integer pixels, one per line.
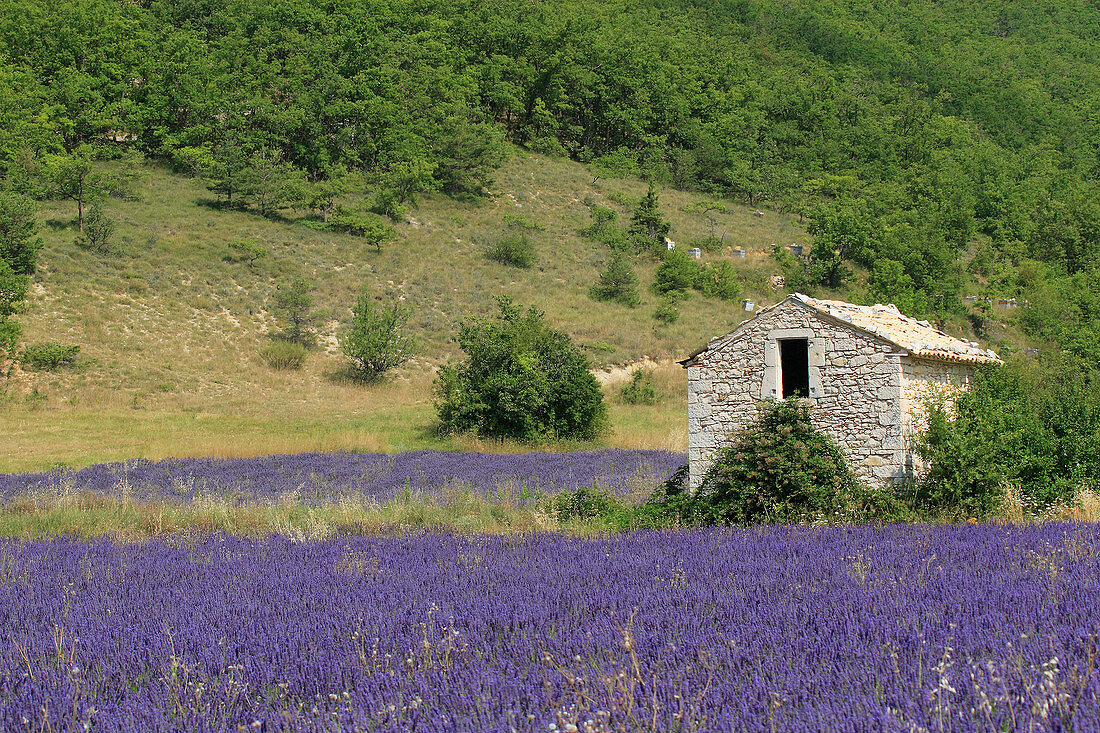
[{"x": 778, "y": 469}]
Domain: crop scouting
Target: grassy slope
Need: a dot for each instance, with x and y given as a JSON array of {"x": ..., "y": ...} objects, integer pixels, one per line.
[{"x": 173, "y": 330}]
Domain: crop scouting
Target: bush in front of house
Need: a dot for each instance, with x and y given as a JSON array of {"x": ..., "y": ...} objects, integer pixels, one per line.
[{"x": 1029, "y": 428}]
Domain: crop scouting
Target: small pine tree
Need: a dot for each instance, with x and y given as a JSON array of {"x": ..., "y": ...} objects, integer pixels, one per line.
[
  {"x": 719, "y": 280},
  {"x": 98, "y": 230},
  {"x": 647, "y": 226},
  {"x": 677, "y": 272},
  {"x": 668, "y": 309},
  {"x": 618, "y": 282},
  {"x": 293, "y": 301}
]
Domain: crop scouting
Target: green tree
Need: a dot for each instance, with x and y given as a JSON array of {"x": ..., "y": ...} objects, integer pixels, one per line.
[
  {"x": 226, "y": 169},
  {"x": 618, "y": 282},
  {"x": 521, "y": 379},
  {"x": 323, "y": 194},
  {"x": 368, "y": 226},
  {"x": 719, "y": 280},
  {"x": 18, "y": 224},
  {"x": 293, "y": 302},
  {"x": 268, "y": 180},
  {"x": 677, "y": 272},
  {"x": 247, "y": 250},
  {"x": 99, "y": 229},
  {"x": 13, "y": 290},
  {"x": 376, "y": 341},
  {"x": 73, "y": 177},
  {"x": 646, "y": 225},
  {"x": 466, "y": 156},
  {"x": 840, "y": 232},
  {"x": 400, "y": 184}
]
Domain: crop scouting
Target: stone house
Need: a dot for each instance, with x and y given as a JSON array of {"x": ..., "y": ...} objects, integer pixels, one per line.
[{"x": 867, "y": 370}]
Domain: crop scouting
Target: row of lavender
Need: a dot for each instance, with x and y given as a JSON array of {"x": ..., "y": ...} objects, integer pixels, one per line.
[
  {"x": 853, "y": 629},
  {"x": 316, "y": 478}
]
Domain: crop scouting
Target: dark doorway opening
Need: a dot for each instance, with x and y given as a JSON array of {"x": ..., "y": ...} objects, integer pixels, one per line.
[{"x": 794, "y": 365}]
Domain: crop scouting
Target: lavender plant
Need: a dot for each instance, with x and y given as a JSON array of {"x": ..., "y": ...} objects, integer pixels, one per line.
[
  {"x": 892, "y": 628},
  {"x": 321, "y": 478}
]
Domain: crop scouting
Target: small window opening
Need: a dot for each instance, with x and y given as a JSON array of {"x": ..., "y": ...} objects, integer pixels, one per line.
[{"x": 794, "y": 366}]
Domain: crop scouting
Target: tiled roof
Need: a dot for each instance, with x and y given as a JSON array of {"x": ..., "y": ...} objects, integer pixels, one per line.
[{"x": 919, "y": 338}]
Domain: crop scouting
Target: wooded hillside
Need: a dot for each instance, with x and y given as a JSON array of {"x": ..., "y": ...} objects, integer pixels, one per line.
[{"x": 929, "y": 143}]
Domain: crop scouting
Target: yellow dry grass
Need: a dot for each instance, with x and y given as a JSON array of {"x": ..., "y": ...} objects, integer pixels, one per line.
[{"x": 87, "y": 515}]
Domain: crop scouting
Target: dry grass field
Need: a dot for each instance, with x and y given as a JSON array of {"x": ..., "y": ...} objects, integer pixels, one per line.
[{"x": 170, "y": 332}]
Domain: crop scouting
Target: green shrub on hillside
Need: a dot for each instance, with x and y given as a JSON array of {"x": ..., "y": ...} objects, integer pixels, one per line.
[
  {"x": 719, "y": 280},
  {"x": 293, "y": 302},
  {"x": 640, "y": 390},
  {"x": 677, "y": 272},
  {"x": 668, "y": 308},
  {"x": 521, "y": 379},
  {"x": 647, "y": 226},
  {"x": 513, "y": 248},
  {"x": 618, "y": 282},
  {"x": 280, "y": 354},
  {"x": 97, "y": 231},
  {"x": 376, "y": 341},
  {"x": 49, "y": 356},
  {"x": 245, "y": 251}
]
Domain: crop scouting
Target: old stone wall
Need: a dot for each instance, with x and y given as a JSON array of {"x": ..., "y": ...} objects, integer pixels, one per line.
[
  {"x": 855, "y": 390},
  {"x": 923, "y": 380}
]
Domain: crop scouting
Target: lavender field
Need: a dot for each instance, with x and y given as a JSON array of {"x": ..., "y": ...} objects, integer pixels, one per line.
[
  {"x": 320, "y": 478},
  {"x": 849, "y": 629}
]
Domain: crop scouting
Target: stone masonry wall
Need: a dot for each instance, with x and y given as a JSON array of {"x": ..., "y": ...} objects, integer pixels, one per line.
[
  {"x": 855, "y": 388},
  {"x": 922, "y": 379}
]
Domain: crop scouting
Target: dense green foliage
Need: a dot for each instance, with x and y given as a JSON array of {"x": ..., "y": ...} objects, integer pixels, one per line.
[
  {"x": 617, "y": 281},
  {"x": 376, "y": 341},
  {"x": 678, "y": 272},
  {"x": 778, "y": 469},
  {"x": 927, "y": 143},
  {"x": 718, "y": 280},
  {"x": 18, "y": 251},
  {"x": 1030, "y": 429},
  {"x": 521, "y": 379}
]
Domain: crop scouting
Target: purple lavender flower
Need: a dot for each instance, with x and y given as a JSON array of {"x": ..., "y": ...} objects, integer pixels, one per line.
[
  {"x": 317, "y": 478},
  {"x": 850, "y": 629}
]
